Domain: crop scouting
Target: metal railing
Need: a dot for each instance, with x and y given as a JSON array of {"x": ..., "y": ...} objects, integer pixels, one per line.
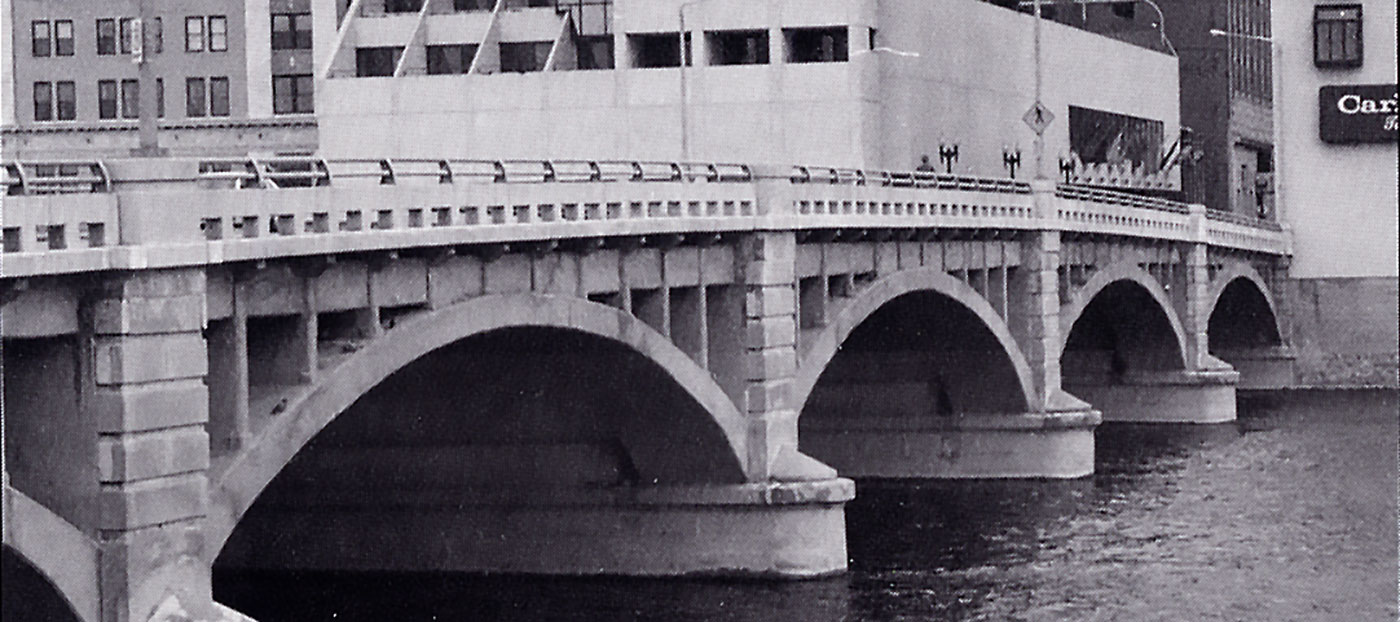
[
  {"x": 1114, "y": 197},
  {"x": 55, "y": 177}
]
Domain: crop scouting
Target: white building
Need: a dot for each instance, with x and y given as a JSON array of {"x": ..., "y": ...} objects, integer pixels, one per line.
[
  {"x": 870, "y": 83},
  {"x": 1336, "y": 117}
]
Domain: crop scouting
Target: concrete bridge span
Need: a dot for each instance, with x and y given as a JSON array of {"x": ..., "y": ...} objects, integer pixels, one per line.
[{"x": 627, "y": 368}]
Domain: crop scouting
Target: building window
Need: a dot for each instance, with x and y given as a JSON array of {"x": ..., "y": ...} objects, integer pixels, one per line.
[
  {"x": 473, "y": 5},
  {"x": 524, "y": 57},
  {"x": 194, "y": 34},
  {"x": 218, "y": 97},
  {"x": 1101, "y": 137},
  {"x": 595, "y": 52},
  {"x": 1337, "y": 36},
  {"x": 448, "y": 59},
  {"x": 738, "y": 47},
  {"x": 376, "y": 62},
  {"x": 63, "y": 37},
  {"x": 291, "y": 31},
  {"x": 43, "y": 101},
  {"x": 402, "y": 6},
  {"x": 66, "y": 100},
  {"x": 131, "y": 99},
  {"x": 157, "y": 41},
  {"x": 126, "y": 39},
  {"x": 106, "y": 37},
  {"x": 817, "y": 45},
  {"x": 160, "y": 98},
  {"x": 655, "y": 50},
  {"x": 218, "y": 33},
  {"x": 293, "y": 94},
  {"x": 107, "y": 99},
  {"x": 194, "y": 97},
  {"x": 41, "y": 38}
]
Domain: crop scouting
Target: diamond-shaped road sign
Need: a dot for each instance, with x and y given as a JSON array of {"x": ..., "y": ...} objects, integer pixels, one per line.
[{"x": 1038, "y": 117}]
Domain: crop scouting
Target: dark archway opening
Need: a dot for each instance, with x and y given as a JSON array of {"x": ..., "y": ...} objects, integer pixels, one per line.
[
  {"x": 1242, "y": 319},
  {"x": 27, "y": 595},
  {"x": 920, "y": 355},
  {"x": 464, "y": 436},
  {"x": 1122, "y": 331}
]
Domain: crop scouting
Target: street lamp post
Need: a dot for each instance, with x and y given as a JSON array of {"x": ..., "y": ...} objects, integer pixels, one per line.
[
  {"x": 681, "y": 49},
  {"x": 1039, "y": 77}
]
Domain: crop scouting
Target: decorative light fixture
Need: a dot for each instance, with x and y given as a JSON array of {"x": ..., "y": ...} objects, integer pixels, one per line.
[
  {"x": 1011, "y": 159},
  {"x": 948, "y": 154}
]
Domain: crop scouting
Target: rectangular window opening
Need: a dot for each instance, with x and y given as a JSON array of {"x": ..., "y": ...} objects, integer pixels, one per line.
[
  {"x": 817, "y": 45},
  {"x": 450, "y": 59},
  {"x": 66, "y": 100},
  {"x": 377, "y": 61},
  {"x": 107, "y": 99},
  {"x": 738, "y": 47},
  {"x": 41, "y": 38},
  {"x": 43, "y": 101},
  {"x": 218, "y": 33},
  {"x": 194, "y": 34},
  {"x": 655, "y": 50},
  {"x": 106, "y": 37},
  {"x": 131, "y": 99},
  {"x": 524, "y": 56},
  {"x": 1337, "y": 42},
  {"x": 63, "y": 37},
  {"x": 194, "y": 98},
  {"x": 218, "y": 97}
]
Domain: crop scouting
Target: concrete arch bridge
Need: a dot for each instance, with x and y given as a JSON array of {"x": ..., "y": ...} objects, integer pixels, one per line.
[{"x": 570, "y": 367}]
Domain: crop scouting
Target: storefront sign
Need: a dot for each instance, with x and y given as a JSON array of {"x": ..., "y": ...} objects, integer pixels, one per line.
[{"x": 1358, "y": 113}]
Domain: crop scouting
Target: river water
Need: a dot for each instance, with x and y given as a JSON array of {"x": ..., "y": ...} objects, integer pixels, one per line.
[{"x": 1287, "y": 514}]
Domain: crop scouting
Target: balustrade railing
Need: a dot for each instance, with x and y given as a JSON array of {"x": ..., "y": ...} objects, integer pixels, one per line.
[{"x": 75, "y": 206}]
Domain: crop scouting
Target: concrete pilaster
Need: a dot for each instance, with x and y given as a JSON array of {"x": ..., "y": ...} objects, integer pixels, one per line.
[
  {"x": 1196, "y": 318},
  {"x": 769, "y": 349},
  {"x": 1035, "y": 306},
  {"x": 148, "y": 398}
]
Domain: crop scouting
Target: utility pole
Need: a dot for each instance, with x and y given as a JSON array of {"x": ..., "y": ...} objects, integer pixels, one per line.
[
  {"x": 1039, "y": 77},
  {"x": 141, "y": 49}
]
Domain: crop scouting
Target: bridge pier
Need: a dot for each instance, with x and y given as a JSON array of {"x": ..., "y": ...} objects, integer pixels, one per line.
[
  {"x": 1261, "y": 369},
  {"x": 1163, "y": 397},
  {"x": 779, "y": 530}
]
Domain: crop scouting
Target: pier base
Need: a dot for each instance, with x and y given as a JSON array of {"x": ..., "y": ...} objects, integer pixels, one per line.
[
  {"x": 1163, "y": 397},
  {"x": 1045, "y": 445},
  {"x": 1261, "y": 369},
  {"x": 787, "y": 530}
]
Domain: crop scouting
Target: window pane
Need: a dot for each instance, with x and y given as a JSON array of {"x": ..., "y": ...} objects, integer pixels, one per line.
[
  {"x": 125, "y": 31},
  {"x": 67, "y": 99},
  {"x": 194, "y": 97},
  {"x": 302, "y": 25},
  {"x": 131, "y": 99},
  {"x": 107, "y": 99},
  {"x": 43, "y": 101},
  {"x": 378, "y": 61},
  {"x": 63, "y": 37},
  {"x": 306, "y": 94},
  {"x": 449, "y": 59},
  {"x": 524, "y": 57},
  {"x": 158, "y": 38},
  {"x": 194, "y": 34},
  {"x": 283, "y": 94},
  {"x": 39, "y": 34},
  {"x": 106, "y": 37},
  {"x": 218, "y": 97},
  {"x": 160, "y": 98},
  {"x": 218, "y": 33},
  {"x": 283, "y": 37}
]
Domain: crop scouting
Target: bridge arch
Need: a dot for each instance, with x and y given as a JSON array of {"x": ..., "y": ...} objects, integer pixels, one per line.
[
  {"x": 1128, "y": 282},
  {"x": 237, "y": 485},
  {"x": 45, "y": 549},
  {"x": 827, "y": 344},
  {"x": 1242, "y": 310}
]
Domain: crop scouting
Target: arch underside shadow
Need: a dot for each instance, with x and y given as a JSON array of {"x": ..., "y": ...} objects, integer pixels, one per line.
[
  {"x": 1243, "y": 314},
  {"x": 920, "y": 377},
  {"x": 712, "y": 425},
  {"x": 981, "y": 338},
  {"x": 1121, "y": 321}
]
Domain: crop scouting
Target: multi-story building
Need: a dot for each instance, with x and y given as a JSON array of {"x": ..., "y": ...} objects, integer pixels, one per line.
[
  {"x": 867, "y": 83},
  {"x": 1336, "y": 111},
  {"x": 71, "y": 83},
  {"x": 1226, "y": 86}
]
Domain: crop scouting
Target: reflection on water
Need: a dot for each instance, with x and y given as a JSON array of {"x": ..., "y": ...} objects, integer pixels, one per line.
[{"x": 1288, "y": 514}]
